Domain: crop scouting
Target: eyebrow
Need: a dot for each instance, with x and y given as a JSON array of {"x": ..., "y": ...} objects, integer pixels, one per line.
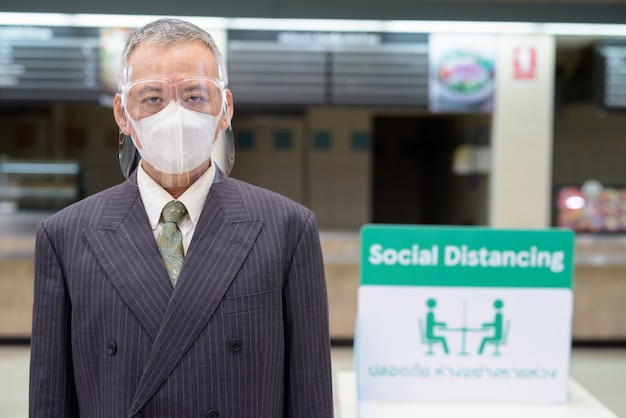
[
  {"x": 150, "y": 88},
  {"x": 192, "y": 87}
]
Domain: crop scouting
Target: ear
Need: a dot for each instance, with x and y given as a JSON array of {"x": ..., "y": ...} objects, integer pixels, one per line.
[
  {"x": 122, "y": 119},
  {"x": 229, "y": 111},
  {"x": 120, "y": 115}
]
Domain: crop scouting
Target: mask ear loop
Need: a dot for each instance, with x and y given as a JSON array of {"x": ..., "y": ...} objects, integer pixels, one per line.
[
  {"x": 224, "y": 101},
  {"x": 128, "y": 154},
  {"x": 225, "y": 108}
]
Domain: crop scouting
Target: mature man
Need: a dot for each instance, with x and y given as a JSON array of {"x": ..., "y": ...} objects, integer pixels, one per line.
[{"x": 180, "y": 292}]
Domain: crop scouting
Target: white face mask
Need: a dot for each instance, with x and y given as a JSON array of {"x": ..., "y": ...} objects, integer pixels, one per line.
[{"x": 175, "y": 140}]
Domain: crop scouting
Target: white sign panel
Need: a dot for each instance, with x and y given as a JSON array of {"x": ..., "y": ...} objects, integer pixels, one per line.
[{"x": 464, "y": 315}]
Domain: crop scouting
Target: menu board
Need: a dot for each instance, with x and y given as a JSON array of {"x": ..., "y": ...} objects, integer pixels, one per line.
[
  {"x": 610, "y": 78},
  {"x": 40, "y": 63},
  {"x": 328, "y": 68}
]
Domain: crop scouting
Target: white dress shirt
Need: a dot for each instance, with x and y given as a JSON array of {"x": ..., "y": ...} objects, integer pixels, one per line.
[{"x": 155, "y": 197}]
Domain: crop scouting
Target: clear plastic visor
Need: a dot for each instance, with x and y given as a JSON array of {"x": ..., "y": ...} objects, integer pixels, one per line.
[
  {"x": 176, "y": 114},
  {"x": 144, "y": 98}
]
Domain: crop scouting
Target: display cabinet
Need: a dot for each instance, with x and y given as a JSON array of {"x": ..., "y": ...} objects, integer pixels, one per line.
[{"x": 39, "y": 184}]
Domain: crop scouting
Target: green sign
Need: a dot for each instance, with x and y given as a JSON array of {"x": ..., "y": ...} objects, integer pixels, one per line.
[{"x": 466, "y": 256}]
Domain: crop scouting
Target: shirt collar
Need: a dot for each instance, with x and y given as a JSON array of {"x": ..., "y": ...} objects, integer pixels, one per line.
[{"x": 155, "y": 197}]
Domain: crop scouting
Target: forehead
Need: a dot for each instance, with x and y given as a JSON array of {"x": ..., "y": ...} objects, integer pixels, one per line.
[{"x": 172, "y": 62}]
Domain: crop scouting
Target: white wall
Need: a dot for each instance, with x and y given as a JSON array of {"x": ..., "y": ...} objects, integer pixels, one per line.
[{"x": 521, "y": 139}]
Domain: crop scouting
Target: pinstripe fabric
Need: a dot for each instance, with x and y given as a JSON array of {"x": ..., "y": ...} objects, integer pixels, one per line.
[{"x": 244, "y": 332}]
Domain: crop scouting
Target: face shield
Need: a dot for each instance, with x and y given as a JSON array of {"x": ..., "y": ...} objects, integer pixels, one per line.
[{"x": 177, "y": 126}]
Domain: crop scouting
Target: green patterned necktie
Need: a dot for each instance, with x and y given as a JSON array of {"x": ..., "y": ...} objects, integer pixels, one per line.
[{"x": 170, "y": 239}]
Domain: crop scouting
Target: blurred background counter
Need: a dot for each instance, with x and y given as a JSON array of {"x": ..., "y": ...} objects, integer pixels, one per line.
[
  {"x": 30, "y": 190},
  {"x": 17, "y": 247},
  {"x": 599, "y": 281}
]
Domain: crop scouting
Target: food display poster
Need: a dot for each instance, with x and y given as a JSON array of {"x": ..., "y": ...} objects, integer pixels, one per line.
[
  {"x": 461, "y": 73},
  {"x": 471, "y": 315}
]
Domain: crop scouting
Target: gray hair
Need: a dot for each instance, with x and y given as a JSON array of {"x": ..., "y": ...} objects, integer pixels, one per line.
[{"x": 169, "y": 31}]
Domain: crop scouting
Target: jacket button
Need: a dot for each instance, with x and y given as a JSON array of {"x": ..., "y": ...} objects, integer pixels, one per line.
[
  {"x": 235, "y": 344},
  {"x": 111, "y": 348},
  {"x": 212, "y": 413}
]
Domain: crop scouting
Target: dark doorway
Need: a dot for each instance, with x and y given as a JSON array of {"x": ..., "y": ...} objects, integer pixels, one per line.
[{"x": 412, "y": 167}]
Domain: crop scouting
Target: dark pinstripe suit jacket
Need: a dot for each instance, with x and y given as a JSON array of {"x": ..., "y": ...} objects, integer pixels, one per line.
[{"x": 243, "y": 334}]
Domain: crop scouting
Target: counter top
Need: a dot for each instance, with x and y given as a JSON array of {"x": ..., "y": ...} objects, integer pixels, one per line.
[
  {"x": 581, "y": 404},
  {"x": 17, "y": 231}
]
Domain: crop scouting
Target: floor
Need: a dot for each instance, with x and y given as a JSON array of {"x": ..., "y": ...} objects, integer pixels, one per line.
[{"x": 602, "y": 371}]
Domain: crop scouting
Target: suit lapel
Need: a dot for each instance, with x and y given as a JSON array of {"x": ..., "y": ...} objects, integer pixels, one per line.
[
  {"x": 125, "y": 247},
  {"x": 222, "y": 240}
]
